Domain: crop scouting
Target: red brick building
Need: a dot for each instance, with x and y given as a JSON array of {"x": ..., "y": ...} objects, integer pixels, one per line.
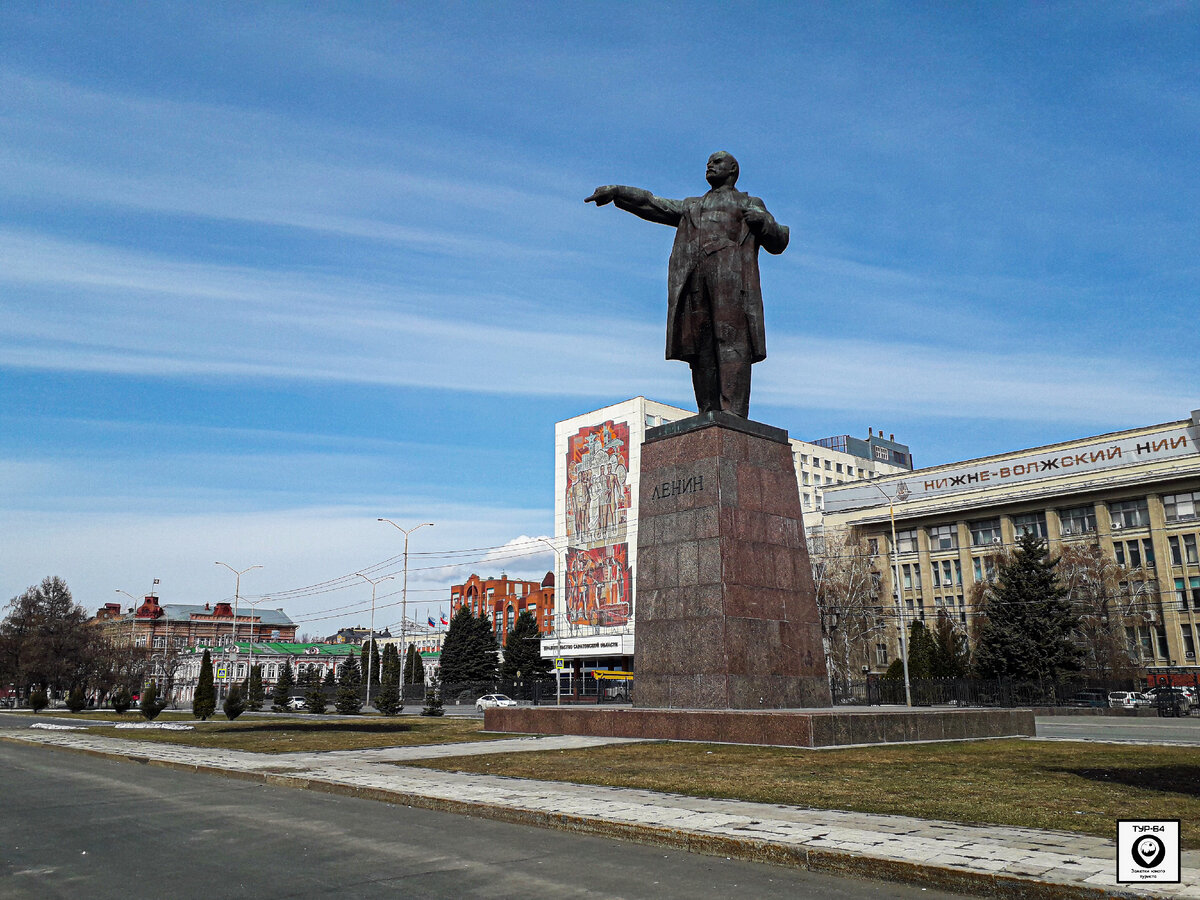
[
  {"x": 503, "y": 599},
  {"x": 155, "y": 626}
]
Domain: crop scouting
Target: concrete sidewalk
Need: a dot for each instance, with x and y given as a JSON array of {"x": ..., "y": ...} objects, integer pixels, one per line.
[{"x": 1012, "y": 862}]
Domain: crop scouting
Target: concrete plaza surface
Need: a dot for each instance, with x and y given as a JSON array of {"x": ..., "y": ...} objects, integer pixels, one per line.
[{"x": 1013, "y": 862}]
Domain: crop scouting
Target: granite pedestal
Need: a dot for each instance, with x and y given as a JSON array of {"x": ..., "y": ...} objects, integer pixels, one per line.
[{"x": 726, "y": 614}]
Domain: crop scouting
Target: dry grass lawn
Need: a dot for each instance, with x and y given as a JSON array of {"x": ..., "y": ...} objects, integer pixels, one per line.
[
  {"x": 292, "y": 735},
  {"x": 1065, "y": 786}
]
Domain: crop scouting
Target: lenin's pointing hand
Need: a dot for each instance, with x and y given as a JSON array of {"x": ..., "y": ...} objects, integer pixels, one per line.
[{"x": 602, "y": 195}]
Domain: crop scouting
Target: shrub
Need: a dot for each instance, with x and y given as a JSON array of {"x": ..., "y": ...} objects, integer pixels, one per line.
[
  {"x": 75, "y": 700},
  {"x": 433, "y": 698},
  {"x": 204, "y": 703},
  {"x": 121, "y": 701},
  {"x": 234, "y": 705},
  {"x": 387, "y": 701},
  {"x": 38, "y": 700},
  {"x": 150, "y": 705}
]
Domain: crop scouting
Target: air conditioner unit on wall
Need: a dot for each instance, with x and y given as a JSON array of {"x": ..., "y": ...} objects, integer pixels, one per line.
[
  {"x": 1190, "y": 654},
  {"x": 1116, "y": 525}
]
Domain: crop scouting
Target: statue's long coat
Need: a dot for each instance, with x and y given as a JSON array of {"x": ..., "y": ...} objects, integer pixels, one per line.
[{"x": 689, "y": 249}]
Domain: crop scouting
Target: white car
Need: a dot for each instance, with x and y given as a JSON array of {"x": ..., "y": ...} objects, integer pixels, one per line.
[
  {"x": 493, "y": 700},
  {"x": 1126, "y": 700},
  {"x": 296, "y": 703}
]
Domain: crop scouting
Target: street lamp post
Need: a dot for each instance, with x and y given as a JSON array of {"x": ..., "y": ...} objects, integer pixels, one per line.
[
  {"x": 404, "y": 600},
  {"x": 902, "y": 494},
  {"x": 557, "y": 631},
  {"x": 371, "y": 650},
  {"x": 237, "y": 591}
]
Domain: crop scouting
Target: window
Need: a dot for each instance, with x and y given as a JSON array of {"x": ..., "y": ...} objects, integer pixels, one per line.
[
  {"x": 1161, "y": 635},
  {"x": 985, "y": 532},
  {"x": 1077, "y": 520},
  {"x": 807, "y": 501},
  {"x": 1129, "y": 513},
  {"x": 139, "y": 641},
  {"x": 873, "y": 546},
  {"x": 804, "y": 478},
  {"x": 943, "y": 537},
  {"x": 1147, "y": 646},
  {"x": 828, "y": 465},
  {"x": 908, "y": 583},
  {"x": 985, "y": 568},
  {"x": 816, "y": 479},
  {"x": 881, "y": 656},
  {"x": 1178, "y": 507},
  {"x": 160, "y": 642},
  {"x": 1131, "y": 645},
  {"x": 1189, "y": 646},
  {"x": 839, "y": 468},
  {"x": 1189, "y": 549},
  {"x": 906, "y": 541},
  {"x": 1176, "y": 557},
  {"x": 1030, "y": 523}
]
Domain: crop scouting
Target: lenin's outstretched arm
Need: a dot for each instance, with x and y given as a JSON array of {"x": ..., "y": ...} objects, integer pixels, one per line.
[{"x": 639, "y": 202}]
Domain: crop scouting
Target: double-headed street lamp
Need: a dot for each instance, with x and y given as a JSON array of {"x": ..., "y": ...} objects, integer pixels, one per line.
[
  {"x": 371, "y": 651},
  {"x": 902, "y": 494},
  {"x": 557, "y": 631},
  {"x": 404, "y": 600},
  {"x": 237, "y": 592}
]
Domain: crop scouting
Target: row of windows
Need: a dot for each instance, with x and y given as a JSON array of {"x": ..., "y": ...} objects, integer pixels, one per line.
[{"x": 985, "y": 532}]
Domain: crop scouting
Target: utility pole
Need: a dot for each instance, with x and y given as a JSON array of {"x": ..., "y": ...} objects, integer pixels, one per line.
[
  {"x": 557, "y": 631},
  {"x": 404, "y": 600},
  {"x": 902, "y": 494},
  {"x": 371, "y": 645}
]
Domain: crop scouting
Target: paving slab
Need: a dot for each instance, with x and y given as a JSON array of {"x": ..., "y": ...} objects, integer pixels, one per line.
[{"x": 988, "y": 860}]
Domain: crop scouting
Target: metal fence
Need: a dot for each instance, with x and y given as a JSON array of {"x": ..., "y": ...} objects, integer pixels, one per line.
[{"x": 960, "y": 692}]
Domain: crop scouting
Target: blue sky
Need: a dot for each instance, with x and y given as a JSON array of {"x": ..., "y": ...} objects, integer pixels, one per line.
[{"x": 268, "y": 272}]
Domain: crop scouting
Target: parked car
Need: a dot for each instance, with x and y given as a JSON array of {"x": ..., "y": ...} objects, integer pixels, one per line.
[
  {"x": 295, "y": 703},
  {"x": 1171, "y": 700},
  {"x": 488, "y": 700},
  {"x": 1089, "y": 699},
  {"x": 1126, "y": 700}
]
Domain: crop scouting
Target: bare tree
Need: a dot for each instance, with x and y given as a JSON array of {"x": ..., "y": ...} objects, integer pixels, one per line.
[
  {"x": 846, "y": 575},
  {"x": 1112, "y": 602}
]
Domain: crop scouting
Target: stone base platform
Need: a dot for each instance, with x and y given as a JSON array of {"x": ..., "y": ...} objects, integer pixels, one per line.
[{"x": 787, "y": 728}]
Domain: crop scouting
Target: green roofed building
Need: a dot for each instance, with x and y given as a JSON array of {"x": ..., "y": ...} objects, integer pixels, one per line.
[{"x": 232, "y": 663}]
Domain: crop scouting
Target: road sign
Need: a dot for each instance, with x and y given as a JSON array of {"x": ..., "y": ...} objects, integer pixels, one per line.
[
  {"x": 222, "y": 671},
  {"x": 559, "y": 664}
]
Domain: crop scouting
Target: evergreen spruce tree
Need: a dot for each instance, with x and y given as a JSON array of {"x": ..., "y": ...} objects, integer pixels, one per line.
[
  {"x": 456, "y": 647},
  {"x": 331, "y": 678},
  {"x": 366, "y": 657},
  {"x": 389, "y": 666},
  {"x": 414, "y": 667},
  {"x": 1027, "y": 635},
  {"x": 523, "y": 650},
  {"x": 951, "y": 658},
  {"x": 920, "y": 650},
  {"x": 485, "y": 652},
  {"x": 348, "y": 701},
  {"x": 433, "y": 697},
  {"x": 283, "y": 687},
  {"x": 234, "y": 705},
  {"x": 204, "y": 703},
  {"x": 314, "y": 695},
  {"x": 254, "y": 689},
  {"x": 150, "y": 706},
  {"x": 387, "y": 701},
  {"x": 38, "y": 700},
  {"x": 121, "y": 701},
  {"x": 75, "y": 700}
]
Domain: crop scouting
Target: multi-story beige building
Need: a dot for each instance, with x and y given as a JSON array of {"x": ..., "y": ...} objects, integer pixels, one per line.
[{"x": 1135, "y": 493}]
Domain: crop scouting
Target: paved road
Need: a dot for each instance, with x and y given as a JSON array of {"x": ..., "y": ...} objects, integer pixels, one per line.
[
  {"x": 1104, "y": 728},
  {"x": 77, "y": 826}
]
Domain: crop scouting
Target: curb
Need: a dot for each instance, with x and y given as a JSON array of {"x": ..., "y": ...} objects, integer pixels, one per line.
[{"x": 833, "y": 862}]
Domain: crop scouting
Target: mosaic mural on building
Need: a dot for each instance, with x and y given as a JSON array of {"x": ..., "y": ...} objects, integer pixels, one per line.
[
  {"x": 598, "y": 585},
  {"x": 597, "y": 511}
]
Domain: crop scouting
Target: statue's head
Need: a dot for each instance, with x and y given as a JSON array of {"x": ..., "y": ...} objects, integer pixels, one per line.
[{"x": 722, "y": 169}]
